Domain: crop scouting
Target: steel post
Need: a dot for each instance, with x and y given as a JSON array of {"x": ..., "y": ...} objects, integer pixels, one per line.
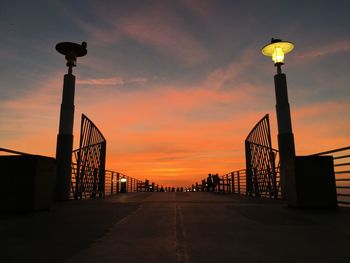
[
  {"x": 65, "y": 139},
  {"x": 285, "y": 135}
]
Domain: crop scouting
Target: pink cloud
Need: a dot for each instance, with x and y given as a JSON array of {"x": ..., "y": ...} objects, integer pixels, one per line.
[
  {"x": 206, "y": 9},
  {"x": 101, "y": 81},
  {"x": 158, "y": 27},
  {"x": 155, "y": 25},
  {"x": 342, "y": 46},
  {"x": 112, "y": 81},
  {"x": 100, "y": 35},
  {"x": 233, "y": 71}
]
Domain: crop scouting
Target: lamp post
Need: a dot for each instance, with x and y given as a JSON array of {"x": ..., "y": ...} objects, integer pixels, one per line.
[
  {"x": 123, "y": 184},
  {"x": 277, "y": 49},
  {"x": 65, "y": 136}
]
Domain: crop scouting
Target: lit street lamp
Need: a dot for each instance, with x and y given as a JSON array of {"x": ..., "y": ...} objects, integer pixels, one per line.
[
  {"x": 65, "y": 136},
  {"x": 123, "y": 184},
  {"x": 277, "y": 50}
]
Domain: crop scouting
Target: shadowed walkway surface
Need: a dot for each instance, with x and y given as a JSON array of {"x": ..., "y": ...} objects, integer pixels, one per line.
[{"x": 176, "y": 227}]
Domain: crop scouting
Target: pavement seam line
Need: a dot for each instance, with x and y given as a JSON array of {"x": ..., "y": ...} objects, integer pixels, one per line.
[{"x": 181, "y": 251}]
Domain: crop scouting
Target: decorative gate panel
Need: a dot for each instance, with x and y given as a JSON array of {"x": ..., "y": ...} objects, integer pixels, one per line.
[
  {"x": 90, "y": 159},
  {"x": 260, "y": 161}
]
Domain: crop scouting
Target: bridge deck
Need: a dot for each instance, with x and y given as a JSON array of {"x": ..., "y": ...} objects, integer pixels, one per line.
[{"x": 176, "y": 227}]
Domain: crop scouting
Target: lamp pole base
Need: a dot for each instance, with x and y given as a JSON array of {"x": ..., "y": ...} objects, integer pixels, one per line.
[
  {"x": 64, "y": 166},
  {"x": 285, "y": 136}
]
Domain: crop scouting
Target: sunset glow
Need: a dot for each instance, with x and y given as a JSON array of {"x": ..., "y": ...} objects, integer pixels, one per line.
[{"x": 174, "y": 86}]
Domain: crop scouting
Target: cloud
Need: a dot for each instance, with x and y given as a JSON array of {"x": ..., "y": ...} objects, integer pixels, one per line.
[
  {"x": 30, "y": 122},
  {"x": 106, "y": 34},
  {"x": 218, "y": 77},
  {"x": 199, "y": 128},
  {"x": 101, "y": 81},
  {"x": 170, "y": 133},
  {"x": 202, "y": 8},
  {"x": 158, "y": 27},
  {"x": 341, "y": 46},
  {"x": 112, "y": 81},
  {"x": 321, "y": 126},
  {"x": 155, "y": 25}
]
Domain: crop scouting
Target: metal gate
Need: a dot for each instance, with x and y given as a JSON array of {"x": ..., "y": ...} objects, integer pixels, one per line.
[
  {"x": 261, "y": 171},
  {"x": 88, "y": 177}
]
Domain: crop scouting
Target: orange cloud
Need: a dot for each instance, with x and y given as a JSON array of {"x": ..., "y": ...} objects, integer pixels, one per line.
[
  {"x": 171, "y": 134},
  {"x": 30, "y": 122},
  {"x": 321, "y": 126},
  {"x": 182, "y": 133}
]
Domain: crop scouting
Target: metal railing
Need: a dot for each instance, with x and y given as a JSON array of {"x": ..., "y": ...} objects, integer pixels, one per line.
[
  {"x": 235, "y": 182},
  {"x": 13, "y": 152},
  {"x": 112, "y": 184},
  {"x": 341, "y": 158}
]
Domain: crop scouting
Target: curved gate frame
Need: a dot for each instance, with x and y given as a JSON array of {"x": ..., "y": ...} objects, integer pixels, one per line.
[
  {"x": 90, "y": 162},
  {"x": 260, "y": 161}
]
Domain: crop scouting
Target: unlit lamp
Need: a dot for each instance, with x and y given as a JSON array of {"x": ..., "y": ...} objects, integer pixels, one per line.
[
  {"x": 71, "y": 51},
  {"x": 277, "y": 49}
]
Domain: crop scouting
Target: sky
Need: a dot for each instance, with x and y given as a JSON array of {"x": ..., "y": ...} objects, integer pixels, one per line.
[{"x": 174, "y": 86}]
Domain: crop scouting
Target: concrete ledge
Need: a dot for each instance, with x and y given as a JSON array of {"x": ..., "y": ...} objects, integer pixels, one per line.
[{"x": 28, "y": 182}]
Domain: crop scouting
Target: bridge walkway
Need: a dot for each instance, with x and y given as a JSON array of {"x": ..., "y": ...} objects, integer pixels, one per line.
[{"x": 176, "y": 227}]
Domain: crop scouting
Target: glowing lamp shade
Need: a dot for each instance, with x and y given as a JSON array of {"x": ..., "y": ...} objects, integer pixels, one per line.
[
  {"x": 123, "y": 180},
  {"x": 277, "y": 49}
]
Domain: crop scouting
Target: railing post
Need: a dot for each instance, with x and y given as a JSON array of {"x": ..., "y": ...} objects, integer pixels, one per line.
[
  {"x": 238, "y": 183},
  {"x": 118, "y": 182},
  {"x": 233, "y": 182},
  {"x": 225, "y": 186},
  {"x": 228, "y": 181},
  {"x": 112, "y": 177},
  {"x": 228, "y": 184},
  {"x": 128, "y": 184}
]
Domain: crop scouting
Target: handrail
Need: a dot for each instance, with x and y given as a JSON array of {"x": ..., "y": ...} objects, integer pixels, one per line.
[
  {"x": 13, "y": 151},
  {"x": 341, "y": 159},
  {"x": 333, "y": 151},
  {"x": 233, "y": 181},
  {"x": 112, "y": 184}
]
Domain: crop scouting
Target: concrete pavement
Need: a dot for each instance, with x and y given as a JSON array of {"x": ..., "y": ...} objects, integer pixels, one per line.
[{"x": 176, "y": 227}]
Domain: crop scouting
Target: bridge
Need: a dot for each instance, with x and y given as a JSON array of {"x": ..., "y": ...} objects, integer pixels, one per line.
[
  {"x": 221, "y": 222},
  {"x": 279, "y": 208},
  {"x": 239, "y": 216}
]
